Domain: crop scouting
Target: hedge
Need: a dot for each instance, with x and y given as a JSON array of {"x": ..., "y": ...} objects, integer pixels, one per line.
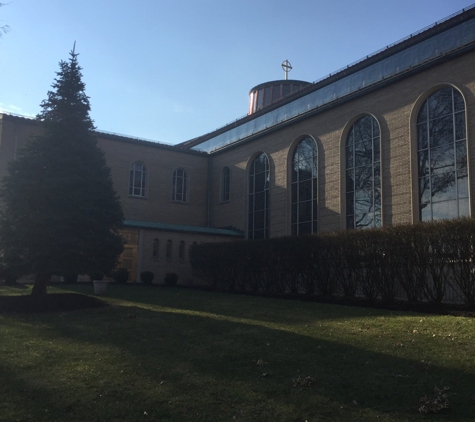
[{"x": 419, "y": 262}]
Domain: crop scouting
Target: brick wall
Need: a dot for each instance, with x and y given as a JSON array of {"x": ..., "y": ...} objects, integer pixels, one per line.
[
  {"x": 161, "y": 264},
  {"x": 160, "y": 163},
  {"x": 394, "y": 106}
]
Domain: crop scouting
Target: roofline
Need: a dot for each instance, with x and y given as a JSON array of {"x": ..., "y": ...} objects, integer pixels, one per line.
[
  {"x": 144, "y": 142},
  {"x": 278, "y": 82},
  {"x": 4, "y": 115},
  {"x": 343, "y": 100},
  {"x": 410, "y": 40},
  {"x": 109, "y": 135}
]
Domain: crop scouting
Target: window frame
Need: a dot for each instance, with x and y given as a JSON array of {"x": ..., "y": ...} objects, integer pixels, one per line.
[
  {"x": 180, "y": 186},
  {"x": 357, "y": 165},
  {"x": 298, "y": 186},
  {"x": 140, "y": 191},
  {"x": 155, "y": 249},
  {"x": 254, "y": 196},
  {"x": 169, "y": 250},
  {"x": 181, "y": 251},
  {"x": 225, "y": 184},
  {"x": 427, "y": 170}
]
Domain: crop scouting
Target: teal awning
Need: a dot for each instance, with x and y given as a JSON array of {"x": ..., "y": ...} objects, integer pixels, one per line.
[{"x": 151, "y": 225}]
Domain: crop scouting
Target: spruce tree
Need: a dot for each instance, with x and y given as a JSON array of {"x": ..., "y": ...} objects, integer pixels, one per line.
[{"x": 60, "y": 214}]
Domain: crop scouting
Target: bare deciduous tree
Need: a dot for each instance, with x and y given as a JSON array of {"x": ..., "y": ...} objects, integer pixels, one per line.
[{"x": 4, "y": 28}]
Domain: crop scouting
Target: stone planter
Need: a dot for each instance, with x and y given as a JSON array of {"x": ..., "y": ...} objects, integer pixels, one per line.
[{"x": 100, "y": 287}]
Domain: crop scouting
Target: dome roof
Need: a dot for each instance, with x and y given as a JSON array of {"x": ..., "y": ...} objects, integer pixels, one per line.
[{"x": 268, "y": 93}]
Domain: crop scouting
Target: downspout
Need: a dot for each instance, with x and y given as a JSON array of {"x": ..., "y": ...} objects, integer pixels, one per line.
[
  {"x": 139, "y": 256},
  {"x": 208, "y": 194}
]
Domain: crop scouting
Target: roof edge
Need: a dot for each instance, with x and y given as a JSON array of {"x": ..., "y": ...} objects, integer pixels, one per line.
[{"x": 402, "y": 44}]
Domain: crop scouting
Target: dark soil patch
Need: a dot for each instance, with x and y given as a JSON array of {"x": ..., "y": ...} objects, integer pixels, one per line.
[{"x": 55, "y": 302}]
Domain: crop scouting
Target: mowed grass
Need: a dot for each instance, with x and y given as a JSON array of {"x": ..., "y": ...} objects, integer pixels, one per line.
[{"x": 182, "y": 355}]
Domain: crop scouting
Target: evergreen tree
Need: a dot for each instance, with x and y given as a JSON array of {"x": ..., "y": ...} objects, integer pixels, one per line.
[{"x": 60, "y": 213}]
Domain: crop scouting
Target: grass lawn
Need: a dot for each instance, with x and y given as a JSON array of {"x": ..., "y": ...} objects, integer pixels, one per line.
[{"x": 182, "y": 355}]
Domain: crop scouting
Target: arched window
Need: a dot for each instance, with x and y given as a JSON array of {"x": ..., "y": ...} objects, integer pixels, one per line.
[
  {"x": 155, "y": 250},
  {"x": 304, "y": 188},
  {"x": 363, "y": 175},
  {"x": 137, "y": 179},
  {"x": 169, "y": 249},
  {"x": 180, "y": 185},
  {"x": 442, "y": 156},
  {"x": 259, "y": 179},
  {"x": 181, "y": 251},
  {"x": 226, "y": 184}
]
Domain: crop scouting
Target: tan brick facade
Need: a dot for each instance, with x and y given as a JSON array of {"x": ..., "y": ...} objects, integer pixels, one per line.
[
  {"x": 395, "y": 108},
  {"x": 393, "y": 102},
  {"x": 156, "y": 206},
  {"x": 160, "y": 163}
]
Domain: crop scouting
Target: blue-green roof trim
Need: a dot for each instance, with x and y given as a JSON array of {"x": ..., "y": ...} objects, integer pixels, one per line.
[{"x": 151, "y": 225}]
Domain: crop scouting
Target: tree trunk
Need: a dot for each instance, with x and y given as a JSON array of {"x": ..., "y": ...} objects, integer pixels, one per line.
[{"x": 41, "y": 283}]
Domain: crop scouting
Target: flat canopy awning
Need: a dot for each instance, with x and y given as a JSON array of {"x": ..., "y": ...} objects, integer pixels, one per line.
[{"x": 150, "y": 225}]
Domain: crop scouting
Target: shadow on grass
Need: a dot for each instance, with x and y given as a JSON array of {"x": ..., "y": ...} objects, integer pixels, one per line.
[
  {"x": 232, "y": 305},
  {"x": 183, "y": 364}
]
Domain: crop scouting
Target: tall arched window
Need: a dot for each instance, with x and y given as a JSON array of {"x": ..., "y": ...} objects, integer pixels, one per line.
[
  {"x": 363, "y": 175},
  {"x": 304, "y": 188},
  {"x": 259, "y": 180},
  {"x": 137, "y": 179},
  {"x": 442, "y": 156},
  {"x": 226, "y": 181},
  {"x": 180, "y": 186}
]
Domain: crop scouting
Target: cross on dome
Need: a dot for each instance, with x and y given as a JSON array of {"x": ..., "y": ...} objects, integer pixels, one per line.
[{"x": 287, "y": 68}]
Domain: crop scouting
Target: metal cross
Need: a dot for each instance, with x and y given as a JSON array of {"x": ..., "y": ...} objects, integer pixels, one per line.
[{"x": 287, "y": 68}]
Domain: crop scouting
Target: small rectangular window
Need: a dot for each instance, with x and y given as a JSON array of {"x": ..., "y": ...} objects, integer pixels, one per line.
[
  {"x": 181, "y": 251},
  {"x": 137, "y": 179},
  {"x": 226, "y": 184},
  {"x": 169, "y": 250},
  {"x": 155, "y": 250},
  {"x": 180, "y": 186}
]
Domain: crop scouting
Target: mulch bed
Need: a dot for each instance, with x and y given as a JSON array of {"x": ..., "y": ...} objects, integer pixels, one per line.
[{"x": 54, "y": 302}]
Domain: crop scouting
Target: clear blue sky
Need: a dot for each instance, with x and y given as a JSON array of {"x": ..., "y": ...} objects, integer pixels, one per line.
[{"x": 171, "y": 70}]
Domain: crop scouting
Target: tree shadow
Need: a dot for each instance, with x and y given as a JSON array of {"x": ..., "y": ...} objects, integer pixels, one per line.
[
  {"x": 215, "y": 358},
  {"x": 237, "y": 305}
]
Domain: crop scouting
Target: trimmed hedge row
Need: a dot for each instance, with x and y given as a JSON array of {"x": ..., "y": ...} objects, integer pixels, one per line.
[{"x": 421, "y": 262}]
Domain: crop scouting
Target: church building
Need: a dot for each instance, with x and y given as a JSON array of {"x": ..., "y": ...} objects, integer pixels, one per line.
[{"x": 387, "y": 140}]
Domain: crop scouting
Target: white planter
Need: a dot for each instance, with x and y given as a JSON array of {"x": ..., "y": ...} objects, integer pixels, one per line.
[{"x": 100, "y": 287}]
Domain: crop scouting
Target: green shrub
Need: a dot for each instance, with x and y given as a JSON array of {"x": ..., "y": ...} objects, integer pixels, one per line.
[
  {"x": 96, "y": 275},
  {"x": 461, "y": 259},
  {"x": 410, "y": 253},
  {"x": 171, "y": 279},
  {"x": 9, "y": 276},
  {"x": 433, "y": 261},
  {"x": 120, "y": 275},
  {"x": 146, "y": 277},
  {"x": 71, "y": 278}
]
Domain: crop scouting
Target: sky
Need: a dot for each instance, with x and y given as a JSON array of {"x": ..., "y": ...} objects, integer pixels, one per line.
[{"x": 171, "y": 70}]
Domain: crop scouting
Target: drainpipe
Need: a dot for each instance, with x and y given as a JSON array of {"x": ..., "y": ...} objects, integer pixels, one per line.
[
  {"x": 139, "y": 256},
  {"x": 208, "y": 194}
]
